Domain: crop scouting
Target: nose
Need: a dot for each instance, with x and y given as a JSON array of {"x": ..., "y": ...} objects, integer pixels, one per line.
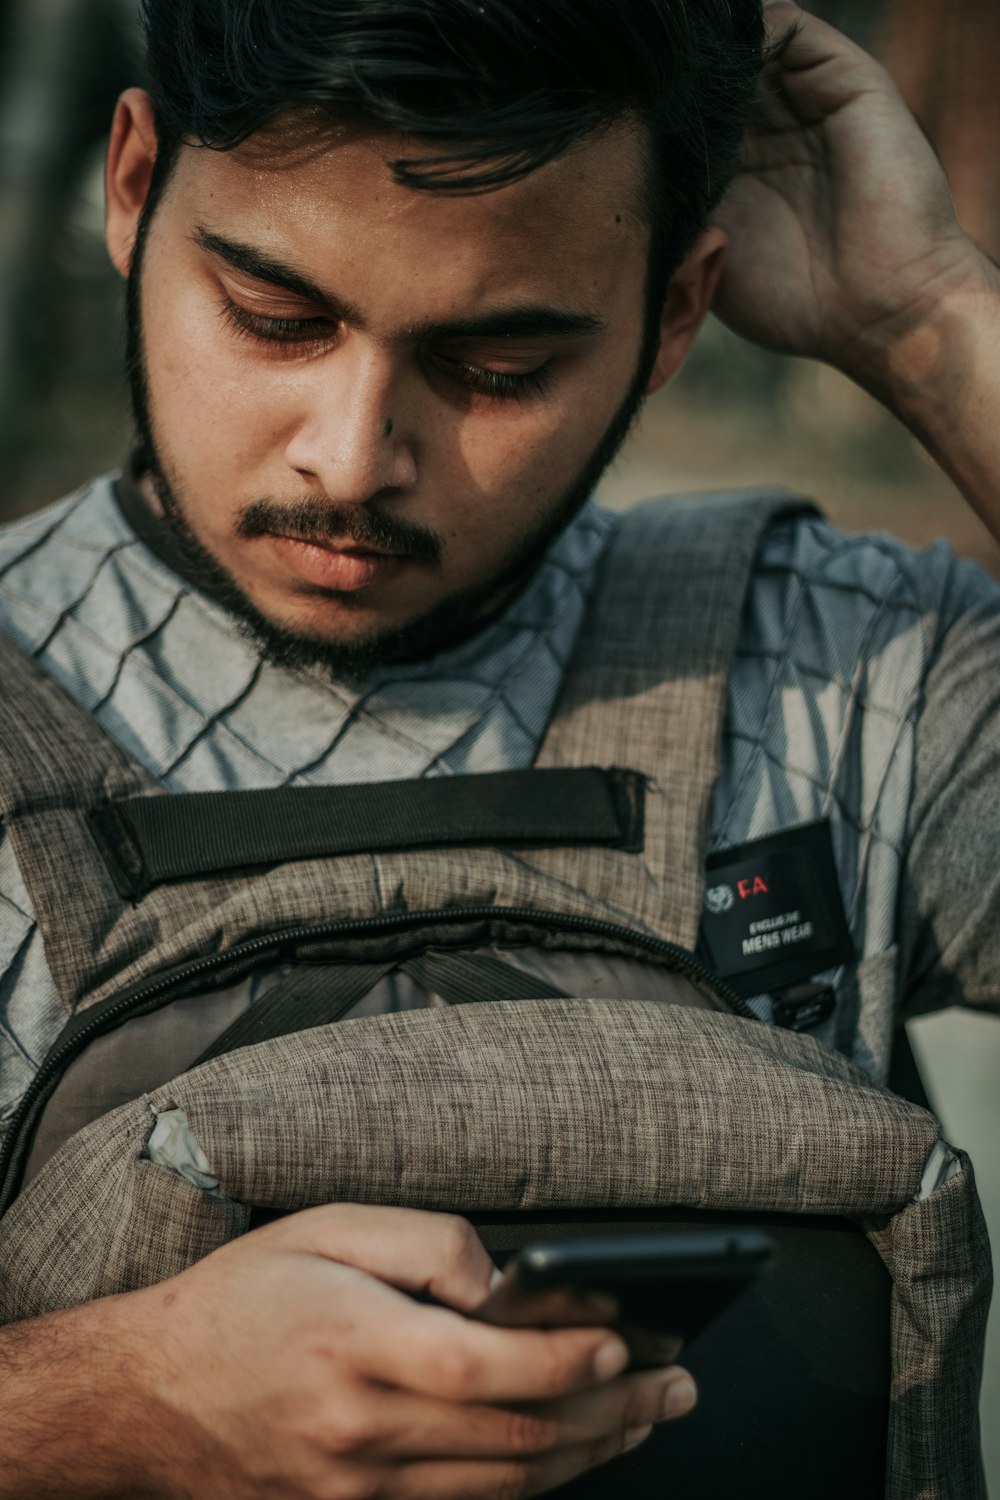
[{"x": 352, "y": 438}]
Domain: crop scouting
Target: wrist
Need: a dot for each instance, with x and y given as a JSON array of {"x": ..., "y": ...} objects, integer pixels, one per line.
[
  {"x": 925, "y": 362},
  {"x": 940, "y": 374},
  {"x": 71, "y": 1412}
]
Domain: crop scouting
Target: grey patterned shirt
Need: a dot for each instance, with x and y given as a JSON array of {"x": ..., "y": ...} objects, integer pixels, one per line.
[{"x": 865, "y": 690}]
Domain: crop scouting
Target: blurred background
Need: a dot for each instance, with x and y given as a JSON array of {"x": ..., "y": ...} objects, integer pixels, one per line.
[{"x": 736, "y": 416}]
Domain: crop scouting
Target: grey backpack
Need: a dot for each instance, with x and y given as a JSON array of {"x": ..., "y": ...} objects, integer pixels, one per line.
[{"x": 477, "y": 994}]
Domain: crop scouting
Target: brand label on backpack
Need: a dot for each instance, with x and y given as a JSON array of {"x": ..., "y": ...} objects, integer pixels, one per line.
[{"x": 773, "y": 911}]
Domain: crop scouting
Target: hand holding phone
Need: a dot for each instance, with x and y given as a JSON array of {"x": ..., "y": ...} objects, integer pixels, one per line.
[{"x": 657, "y": 1290}]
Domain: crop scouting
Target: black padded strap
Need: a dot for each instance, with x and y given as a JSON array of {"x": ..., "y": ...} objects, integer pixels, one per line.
[
  {"x": 466, "y": 978},
  {"x": 311, "y": 995},
  {"x": 147, "y": 840}
]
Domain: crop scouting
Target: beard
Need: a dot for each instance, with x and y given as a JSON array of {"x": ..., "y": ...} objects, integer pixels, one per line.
[{"x": 448, "y": 623}]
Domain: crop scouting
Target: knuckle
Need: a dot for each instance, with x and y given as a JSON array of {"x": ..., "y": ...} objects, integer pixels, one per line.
[
  {"x": 452, "y": 1372},
  {"x": 559, "y": 1362},
  {"x": 353, "y": 1430},
  {"x": 528, "y": 1433},
  {"x": 459, "y": 1239},
  {"x": 641, "y": 1405}
]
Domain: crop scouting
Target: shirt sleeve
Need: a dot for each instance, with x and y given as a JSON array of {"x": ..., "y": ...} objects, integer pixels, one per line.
[{"x": 949, "y": 917}]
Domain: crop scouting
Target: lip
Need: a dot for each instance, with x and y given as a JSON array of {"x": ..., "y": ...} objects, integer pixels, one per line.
[{"x": 339, "y": 569}]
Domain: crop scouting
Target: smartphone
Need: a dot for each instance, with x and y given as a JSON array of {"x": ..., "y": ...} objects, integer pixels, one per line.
[{"x": 657, "y": 1290}]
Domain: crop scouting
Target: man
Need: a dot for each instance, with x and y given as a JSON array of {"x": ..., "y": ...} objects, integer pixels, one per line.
[{"x": 384, "y": 339}]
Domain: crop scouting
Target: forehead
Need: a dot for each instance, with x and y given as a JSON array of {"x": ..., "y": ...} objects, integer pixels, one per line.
[{"x": 334, "y": 206}]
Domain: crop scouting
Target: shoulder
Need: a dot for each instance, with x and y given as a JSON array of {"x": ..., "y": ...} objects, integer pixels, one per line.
[
  {"x": 49, "y": 559},
  {"x": 849, "y": 605}
]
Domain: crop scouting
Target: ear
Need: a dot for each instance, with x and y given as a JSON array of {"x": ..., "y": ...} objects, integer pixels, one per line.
[
  {"x": 127, "y": 174},
  {"x": 689, "y": 297}
]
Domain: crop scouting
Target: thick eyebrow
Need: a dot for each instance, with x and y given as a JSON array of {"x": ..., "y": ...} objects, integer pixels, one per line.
[
  {"x": 265, "y": 268},
  {"x": 529, "y": 322}
]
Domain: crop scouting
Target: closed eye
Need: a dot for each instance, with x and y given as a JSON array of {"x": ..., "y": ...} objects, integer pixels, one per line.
[
  {"x": 276, "y": 330},
  {"x": 297, "y": 333},
  {"x": 502, "y": 385}
]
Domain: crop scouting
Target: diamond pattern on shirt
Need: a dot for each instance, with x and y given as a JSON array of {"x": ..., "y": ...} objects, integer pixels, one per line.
[{"x": 171, "y": 676}]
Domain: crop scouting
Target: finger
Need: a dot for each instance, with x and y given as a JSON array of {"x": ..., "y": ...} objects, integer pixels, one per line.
[
  {"x": 420, "y": 1252},
  {"x": 814, "y": 62},
  {"x": 408, "y": 1426},
  {"x": 466, "y": 1479},
  {"x": 443, "y": 1354}
]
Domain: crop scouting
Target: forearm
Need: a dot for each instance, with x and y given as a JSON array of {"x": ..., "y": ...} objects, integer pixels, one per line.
[
  {"x": 67, "y": 1424},
  {"x": 940, "y": 374}
]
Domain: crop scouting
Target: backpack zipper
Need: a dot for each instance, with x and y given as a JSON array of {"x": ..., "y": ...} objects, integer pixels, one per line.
[{"x": 14, "y": 1150}]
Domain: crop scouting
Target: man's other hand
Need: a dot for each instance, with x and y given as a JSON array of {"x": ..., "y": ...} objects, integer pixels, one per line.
[
  {"x": 292, "y": 1363},
  {"x": 843, "y": 236}
]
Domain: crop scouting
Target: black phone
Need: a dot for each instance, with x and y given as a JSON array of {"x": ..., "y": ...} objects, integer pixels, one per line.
[{"x": 657, "y": 1290}]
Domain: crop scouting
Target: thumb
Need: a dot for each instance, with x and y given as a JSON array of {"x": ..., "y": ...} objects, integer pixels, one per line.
[{"x": 437, "y": 1254}]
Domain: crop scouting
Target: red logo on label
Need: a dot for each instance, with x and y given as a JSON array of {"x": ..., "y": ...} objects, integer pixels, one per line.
[{"x": 755, "y": 887}]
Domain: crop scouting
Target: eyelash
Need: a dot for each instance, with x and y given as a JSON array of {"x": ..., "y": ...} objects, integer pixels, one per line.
[{"x": 500, "y": 385}]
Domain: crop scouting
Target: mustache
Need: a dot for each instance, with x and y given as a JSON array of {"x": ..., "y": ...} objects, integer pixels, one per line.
[{"x": 322, "y": 522}]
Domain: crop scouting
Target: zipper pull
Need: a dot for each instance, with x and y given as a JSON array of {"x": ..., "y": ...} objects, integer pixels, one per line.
[{"x": 803, "y": 1006}]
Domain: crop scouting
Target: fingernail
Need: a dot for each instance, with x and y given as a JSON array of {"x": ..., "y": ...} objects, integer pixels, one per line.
[
  {"x": 610, "y": 1360},
  {"x": 636, "y": 1435},
  {"x": 678, "y": 1397}
]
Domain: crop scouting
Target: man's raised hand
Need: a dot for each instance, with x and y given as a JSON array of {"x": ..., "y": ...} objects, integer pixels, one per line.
[{"x": 842, "y": 231}]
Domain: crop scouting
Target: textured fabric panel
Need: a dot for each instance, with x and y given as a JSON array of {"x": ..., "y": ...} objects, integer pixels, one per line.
[
  {"x": 51, "y": 746},
  {"x": 124, "y": 1064},
  {"x": 556, "y": 1103},
  {"x": 547, "y": 1104},
  {"x": 34, "y": 600},
  {"x": 184, "y": 1225},
  {"x": 939, "y": 1254},
  {"x": 150, "y": 1050},
  {"x": 30, "y": 1006}
]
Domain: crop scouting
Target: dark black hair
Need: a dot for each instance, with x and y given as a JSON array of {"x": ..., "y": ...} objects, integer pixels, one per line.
[{"x": 494, "y": 88}]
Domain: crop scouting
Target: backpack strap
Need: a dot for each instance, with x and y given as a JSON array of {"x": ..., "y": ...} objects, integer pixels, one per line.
[
  {"x": 147, "y": 840},
  {"x": 53, "y": 752},
  {"x": 647, "y": 683}
]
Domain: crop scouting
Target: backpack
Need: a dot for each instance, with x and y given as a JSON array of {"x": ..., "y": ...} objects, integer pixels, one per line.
[{"x": 504, "y": 916}]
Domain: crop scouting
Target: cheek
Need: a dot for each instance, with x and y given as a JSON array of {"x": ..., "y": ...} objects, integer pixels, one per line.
[
  {"x": 206, "y": 397},
  {"x": 534, "y": 452}
]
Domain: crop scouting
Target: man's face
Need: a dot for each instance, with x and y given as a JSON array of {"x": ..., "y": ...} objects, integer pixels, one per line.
[{"x": 368, "y": 402}]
